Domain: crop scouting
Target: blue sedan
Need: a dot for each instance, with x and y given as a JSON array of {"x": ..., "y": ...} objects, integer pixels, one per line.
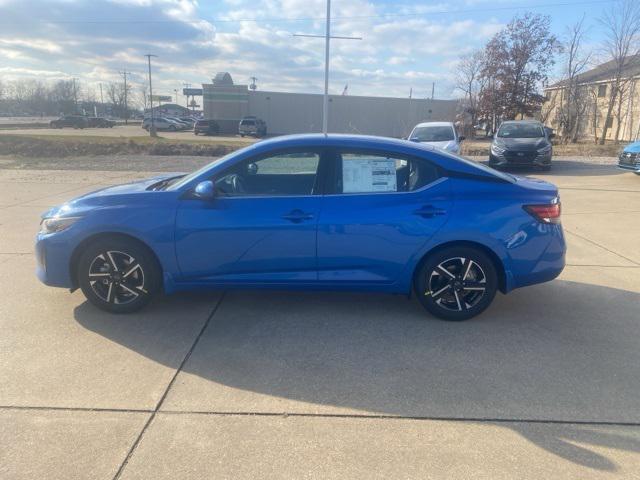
[{"x": 311, "y": 212}]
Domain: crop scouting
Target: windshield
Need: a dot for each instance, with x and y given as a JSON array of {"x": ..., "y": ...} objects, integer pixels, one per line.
[
  {"x": 247, "y": 122},
  {"x": 433, "y": 134},
  {"x": 520, "y": 130},
  {"x": 187, "y": 178}
]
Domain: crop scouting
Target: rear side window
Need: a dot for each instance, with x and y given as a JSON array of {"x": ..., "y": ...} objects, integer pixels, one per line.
[{"x": 367, "y": 172}]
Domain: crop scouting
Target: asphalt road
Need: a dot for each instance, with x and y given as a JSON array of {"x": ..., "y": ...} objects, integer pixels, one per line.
[{"x": 545, "y": 384}]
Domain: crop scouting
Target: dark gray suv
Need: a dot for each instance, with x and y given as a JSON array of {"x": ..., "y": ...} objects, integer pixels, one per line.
[{"x": 521, "y": 143}]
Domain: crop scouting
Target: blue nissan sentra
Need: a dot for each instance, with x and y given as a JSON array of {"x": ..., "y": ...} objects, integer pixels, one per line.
[{"x": 311, "y": 212}]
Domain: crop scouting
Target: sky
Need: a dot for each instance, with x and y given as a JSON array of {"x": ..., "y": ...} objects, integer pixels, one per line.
[{"x": 406, "y": 45}]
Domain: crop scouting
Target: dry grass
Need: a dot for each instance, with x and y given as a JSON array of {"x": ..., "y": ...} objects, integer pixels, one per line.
[
  {"x": 73, "y": 146},
  {"x": 480, "y": 147}
]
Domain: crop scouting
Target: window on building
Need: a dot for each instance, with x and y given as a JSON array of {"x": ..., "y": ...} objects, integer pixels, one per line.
[{"x": 602, "y": 90}]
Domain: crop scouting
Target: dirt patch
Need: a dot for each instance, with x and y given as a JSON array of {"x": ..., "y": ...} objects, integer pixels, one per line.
[{"x": 34, "y": 146}]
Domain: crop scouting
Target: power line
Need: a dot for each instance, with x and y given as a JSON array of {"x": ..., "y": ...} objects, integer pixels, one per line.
[{"x": 337, "y": 18}]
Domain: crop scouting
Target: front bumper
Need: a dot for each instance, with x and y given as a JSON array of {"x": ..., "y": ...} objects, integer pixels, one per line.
[
  {"x": 629, "y": 161},
  {"x": 53, "y": 258},
  {"x": 515, "y": 158}
]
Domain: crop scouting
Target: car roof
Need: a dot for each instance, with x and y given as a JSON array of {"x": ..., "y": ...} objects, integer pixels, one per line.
[{"x": 434, "y": 124}]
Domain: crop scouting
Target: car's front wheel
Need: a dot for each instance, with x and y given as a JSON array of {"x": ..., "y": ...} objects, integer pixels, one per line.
[
  {"x": 456, "y": 283},
  {"x": 118, "y": 275}
]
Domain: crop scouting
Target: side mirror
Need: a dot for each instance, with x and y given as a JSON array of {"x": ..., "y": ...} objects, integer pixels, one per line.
[
  {"x": 252, "y": 169},
  {"x": 415, "y": 139},
  {"x": 205, "y": 190},
  {"x": 461, "y": 138}
]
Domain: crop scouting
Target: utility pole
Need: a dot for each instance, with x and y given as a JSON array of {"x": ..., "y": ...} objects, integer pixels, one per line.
[
  {"x": 175, "y": 90},
  {"x": 186, "y": 85},
  {"x": 327, "y": 41},
  {"x": 126, "y": 105},
  {"x": 101, "y": 99},
  {"x": 152, "y": 129},
  {"x": 433, "y": 89},
  {"x": 75, "y": 96}
]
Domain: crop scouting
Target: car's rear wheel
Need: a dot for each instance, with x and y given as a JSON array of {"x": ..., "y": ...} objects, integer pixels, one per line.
[
  {"x": 456, "y": 283},
  {"x": 118, "y": 275}
]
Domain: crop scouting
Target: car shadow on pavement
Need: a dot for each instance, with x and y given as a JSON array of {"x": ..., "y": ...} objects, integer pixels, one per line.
[{"x": 561, "y": 352}]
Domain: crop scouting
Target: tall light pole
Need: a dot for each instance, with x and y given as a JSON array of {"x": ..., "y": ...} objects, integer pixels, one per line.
[
  {"x": 126, "y": 105},
  {"x": 327, "y": 43},
  {"x": 152, "y": 129}
]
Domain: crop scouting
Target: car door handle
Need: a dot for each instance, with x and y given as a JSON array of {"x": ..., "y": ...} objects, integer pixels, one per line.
[
  {"x": 429, "y": 211},
  {"x": 297, "y": 216}
]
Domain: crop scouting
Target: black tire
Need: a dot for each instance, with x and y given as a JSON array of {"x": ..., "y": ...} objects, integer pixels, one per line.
[
  {"x": 452, "y": 296},
  {"x": 126, "y": 288}
]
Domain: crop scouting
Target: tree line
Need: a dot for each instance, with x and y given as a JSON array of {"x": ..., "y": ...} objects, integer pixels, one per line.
[
  {"x": 505, "y": 79},
  {"x": 62, "y": 97}
]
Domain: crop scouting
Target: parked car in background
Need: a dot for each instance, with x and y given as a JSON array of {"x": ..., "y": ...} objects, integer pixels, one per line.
[
  {"x": 182, "y": 124},
  {"x": 521, "y": 143},
  {"x": 162, "y": 124},
  {"x": 439, "y": 134},
  {"x": 311, "y": 212},
  {"x": 206, "y": 127},
  {"x": 629, "y": 159},
  {"x": 74, "y": 121},
  {"x": 100, "y": 122},
  {"x": 252, "y": 126}
]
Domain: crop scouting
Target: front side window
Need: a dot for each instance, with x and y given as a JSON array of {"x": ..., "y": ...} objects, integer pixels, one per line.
[
  {"x": 433, "y": 134},
  {"x": 363, "y": 172},
  {"x": 276, "y": 175}
]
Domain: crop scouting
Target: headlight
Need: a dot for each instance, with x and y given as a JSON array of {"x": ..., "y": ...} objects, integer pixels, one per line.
[
  {"x": 497, "y": 150},
  {"x": 544, "y": 150},
  {"x": 56, "y": 224}
]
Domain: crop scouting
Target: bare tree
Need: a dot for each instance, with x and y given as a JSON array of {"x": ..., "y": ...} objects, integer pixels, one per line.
[
  {"x": 621, "y": 24},
  {"x": 116, "y": 96},
  {"x": 470, "y": 81},
  {"x": 574, "y": 97}
]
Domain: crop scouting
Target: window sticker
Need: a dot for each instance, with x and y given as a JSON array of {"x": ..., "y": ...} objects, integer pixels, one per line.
[{"x": 368, "y": 175}]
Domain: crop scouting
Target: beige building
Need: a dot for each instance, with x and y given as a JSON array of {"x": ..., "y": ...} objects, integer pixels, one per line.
[{"x": 590, "y": 108}]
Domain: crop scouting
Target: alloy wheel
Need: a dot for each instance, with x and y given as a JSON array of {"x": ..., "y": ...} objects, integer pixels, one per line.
[
  {"x": 456, "y": 284},
  {"x": 116, "y": 277}
]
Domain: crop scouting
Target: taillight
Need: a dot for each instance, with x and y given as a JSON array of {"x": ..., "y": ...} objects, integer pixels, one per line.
[{"x": 545, "y": 213}]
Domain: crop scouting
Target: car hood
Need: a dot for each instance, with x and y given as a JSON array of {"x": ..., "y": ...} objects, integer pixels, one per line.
[
  {"x": 105, "y": 196},
  {"x": 522, "y": 144},
  {"x": 446, "y": 145},
  {"x": 632, "y": 147}
]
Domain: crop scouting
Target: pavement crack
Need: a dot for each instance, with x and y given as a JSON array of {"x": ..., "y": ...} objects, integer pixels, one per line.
[
  {"x": 154, "y": 412},
  {"x": 601, "y": 246}
]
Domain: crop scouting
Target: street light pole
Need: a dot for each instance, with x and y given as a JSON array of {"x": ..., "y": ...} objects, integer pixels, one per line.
[
  {"x": 152, "y": 129},
  {"x": 327, "y": 40}
]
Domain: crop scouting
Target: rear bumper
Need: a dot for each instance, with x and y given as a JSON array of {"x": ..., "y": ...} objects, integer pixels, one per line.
[{"x": 542, "y": 260}]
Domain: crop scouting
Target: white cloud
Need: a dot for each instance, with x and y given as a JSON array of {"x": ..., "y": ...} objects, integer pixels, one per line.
[{"x": 94, "y": 39}]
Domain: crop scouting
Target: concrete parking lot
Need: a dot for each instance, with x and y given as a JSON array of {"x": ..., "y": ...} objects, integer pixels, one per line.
[{"x": 545, "y": 384}]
